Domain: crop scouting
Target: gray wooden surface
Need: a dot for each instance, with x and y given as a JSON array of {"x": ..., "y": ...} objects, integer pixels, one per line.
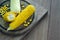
[
  {"x": 40, "y": 31},
  {"x": 54, "y": 22}
]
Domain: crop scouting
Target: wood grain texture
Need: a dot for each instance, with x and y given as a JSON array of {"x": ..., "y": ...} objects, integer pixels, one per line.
[
  {"x": 40, "y": 31},
  {"x": 54, "y": 22}
]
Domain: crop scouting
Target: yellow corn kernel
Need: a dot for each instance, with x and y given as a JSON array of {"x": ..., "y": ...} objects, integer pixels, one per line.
[
  {"x": 23, "y": 16},
  {"x": 25, "y": 25},
  {"x": 23, "y": 6},
  {"x": 7, "y": 5},
  {"x": 9, "y": 16},
  {"x": 25, "y": 22},
  {"x": 28, "y": 22}
]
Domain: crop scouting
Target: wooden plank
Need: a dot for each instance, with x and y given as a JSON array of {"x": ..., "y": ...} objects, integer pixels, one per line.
[{"x": 54, "y": 21}]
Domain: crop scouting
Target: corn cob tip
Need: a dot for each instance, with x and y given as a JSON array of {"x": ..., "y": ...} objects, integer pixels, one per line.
[
  {"x": 32, "y": 7},
  {"x": 9, "y": 28}
]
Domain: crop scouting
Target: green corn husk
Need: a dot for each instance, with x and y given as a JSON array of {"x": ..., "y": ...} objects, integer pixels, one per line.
[{"x": 15, "y": 6}]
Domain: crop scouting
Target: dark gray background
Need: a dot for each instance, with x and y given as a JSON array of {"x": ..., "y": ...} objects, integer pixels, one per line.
[{"x": 54, "y": 21}]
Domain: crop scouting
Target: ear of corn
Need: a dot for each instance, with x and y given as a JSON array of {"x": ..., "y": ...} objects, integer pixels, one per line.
[
  {"x": 23, "y": 16},
  {"x": 9, "y": 16}
]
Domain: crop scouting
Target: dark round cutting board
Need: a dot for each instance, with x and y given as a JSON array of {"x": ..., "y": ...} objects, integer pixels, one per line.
[{"x": 4, "y": 25}]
